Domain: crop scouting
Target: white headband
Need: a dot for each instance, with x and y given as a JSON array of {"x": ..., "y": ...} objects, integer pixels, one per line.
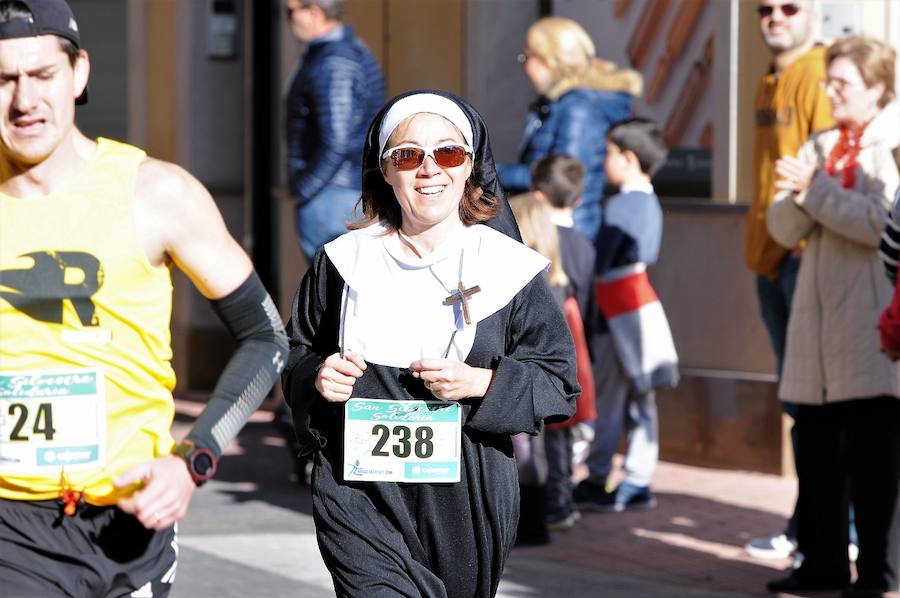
[{"x": 423, "y": 102}]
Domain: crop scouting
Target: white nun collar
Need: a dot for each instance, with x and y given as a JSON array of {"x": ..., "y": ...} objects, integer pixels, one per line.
[{"x": 396, "y": 312}]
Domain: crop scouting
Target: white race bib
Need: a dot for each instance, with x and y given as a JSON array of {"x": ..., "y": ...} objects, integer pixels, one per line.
[
  {"x": 52, "y": 419},
  {"x": 401, "y": 441}
]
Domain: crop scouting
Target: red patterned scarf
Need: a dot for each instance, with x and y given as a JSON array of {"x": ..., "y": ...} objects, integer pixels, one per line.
[{"x": 844, "y": 153}]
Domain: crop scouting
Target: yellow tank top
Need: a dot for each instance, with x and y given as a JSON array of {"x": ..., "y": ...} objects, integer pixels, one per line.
[{"x": 85, "y": 347}]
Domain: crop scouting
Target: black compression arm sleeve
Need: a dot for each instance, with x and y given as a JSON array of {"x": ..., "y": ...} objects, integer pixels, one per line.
[{"x": 251, "y": 318}]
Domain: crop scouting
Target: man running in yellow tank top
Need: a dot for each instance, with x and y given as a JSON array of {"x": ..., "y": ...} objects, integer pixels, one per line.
[{"x": 91, "y": 481}]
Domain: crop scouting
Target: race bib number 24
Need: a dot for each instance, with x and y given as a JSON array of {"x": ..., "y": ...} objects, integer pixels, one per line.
[{"x": 52, "y": 419}]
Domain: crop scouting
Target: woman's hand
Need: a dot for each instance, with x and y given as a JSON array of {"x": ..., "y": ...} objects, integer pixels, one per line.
[
  {"x": 336, "y": 376},
  {"x": 796, "y": 173},
  {"x": 452, "y": 380}
]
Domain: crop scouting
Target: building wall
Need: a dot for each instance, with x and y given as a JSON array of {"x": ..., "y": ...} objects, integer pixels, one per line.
[
  {"x": 660, "y": 49},
  {"x": 171, "y": 98},
  {"x": 725, "y": 411},
  {"x": 104, "y": 31},
  {"x": 183, "y": 106},
  {"x": 494, "y": 81}
]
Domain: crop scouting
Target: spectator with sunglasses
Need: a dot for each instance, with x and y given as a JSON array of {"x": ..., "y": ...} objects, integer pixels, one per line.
[
  {"x": 424, "y": 301},
  {"x": 332, "y": 98},
  {"x": 790, "y": 105}
]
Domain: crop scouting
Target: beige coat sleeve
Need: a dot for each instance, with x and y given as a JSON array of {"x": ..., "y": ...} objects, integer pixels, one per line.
[
  {"x": 856, "y": 214},
  {"x": 788, "y": 223}
]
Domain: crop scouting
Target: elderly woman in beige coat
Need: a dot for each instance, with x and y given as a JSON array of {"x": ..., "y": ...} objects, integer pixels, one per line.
[{"x": 835, "y": 196}]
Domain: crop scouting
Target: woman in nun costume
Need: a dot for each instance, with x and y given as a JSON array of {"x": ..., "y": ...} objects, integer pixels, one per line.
[{"x": 444, "y": 336}]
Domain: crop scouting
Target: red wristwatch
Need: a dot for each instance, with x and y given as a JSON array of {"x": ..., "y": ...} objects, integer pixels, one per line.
[{"x": 201, "y": 462}]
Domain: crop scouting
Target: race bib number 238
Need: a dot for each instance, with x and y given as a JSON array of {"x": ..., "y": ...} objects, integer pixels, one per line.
[{"x": 401, "y": 441}]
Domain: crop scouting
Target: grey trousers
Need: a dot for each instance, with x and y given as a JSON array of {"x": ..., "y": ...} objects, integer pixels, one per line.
[{"x": 618, "y": 408}]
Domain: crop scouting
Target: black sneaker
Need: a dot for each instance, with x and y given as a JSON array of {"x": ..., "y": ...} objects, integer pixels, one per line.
[
  {"x": 794, "y": 583},
  {"x": 564, "y": 521},
  {"x": 586, "y": 490},
  {"x": 594, "y": 497}
]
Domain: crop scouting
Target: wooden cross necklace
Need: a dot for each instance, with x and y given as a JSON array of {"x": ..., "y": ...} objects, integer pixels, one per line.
[{"x": 461, "y": 294}]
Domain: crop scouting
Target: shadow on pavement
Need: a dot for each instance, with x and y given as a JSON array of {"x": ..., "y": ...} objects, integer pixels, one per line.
[
  {"x": 687, "y": 541},
  {"x": 257, "y": 466},
  {"x": 689, "y": 546}
]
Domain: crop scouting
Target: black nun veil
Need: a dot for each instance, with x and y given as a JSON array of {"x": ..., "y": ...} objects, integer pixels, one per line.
[{"x": 484, "y": 172}]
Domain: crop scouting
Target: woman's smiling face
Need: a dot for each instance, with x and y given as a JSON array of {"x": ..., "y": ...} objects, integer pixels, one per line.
[
  {"x": 428, "y": 195},
  {"x": 851, "y": 100}
]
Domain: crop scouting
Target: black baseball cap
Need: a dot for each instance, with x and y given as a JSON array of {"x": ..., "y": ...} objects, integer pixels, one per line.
[{"x": 48, "y": 17}]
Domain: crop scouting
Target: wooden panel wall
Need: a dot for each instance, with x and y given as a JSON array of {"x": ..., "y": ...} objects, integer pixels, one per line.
[
  {"x": 419, "y": 42},
  {"x": 368, "y": 20},
  {"x": 162, "y": 138},
  {"x": 425, "y": 45}
]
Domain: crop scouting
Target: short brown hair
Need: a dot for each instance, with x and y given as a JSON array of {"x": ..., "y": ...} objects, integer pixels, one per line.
[
  {"x": 644, "y": 138},
  {"x": 874, "y": 59},
  {"x": 560, "y": 178}
]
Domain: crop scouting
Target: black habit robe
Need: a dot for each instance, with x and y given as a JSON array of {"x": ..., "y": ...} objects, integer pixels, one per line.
[{"x": 436, "y": 540}]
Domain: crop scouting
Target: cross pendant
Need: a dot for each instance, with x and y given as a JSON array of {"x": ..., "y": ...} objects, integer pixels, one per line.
[{"x": 461, "y": 294}]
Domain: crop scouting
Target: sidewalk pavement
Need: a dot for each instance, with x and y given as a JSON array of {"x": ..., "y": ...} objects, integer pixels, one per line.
[{"x": 250, "y": 532}]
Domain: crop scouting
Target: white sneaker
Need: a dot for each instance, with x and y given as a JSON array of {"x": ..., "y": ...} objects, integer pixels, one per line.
[
  {"x": 778, "y": 546},
  {"x": 582, "y": 435}
]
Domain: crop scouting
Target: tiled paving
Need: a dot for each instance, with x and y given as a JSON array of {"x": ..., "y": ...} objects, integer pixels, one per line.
[
  {"x": 244, "y": 528},
  {"x": 693, "y": 539}
]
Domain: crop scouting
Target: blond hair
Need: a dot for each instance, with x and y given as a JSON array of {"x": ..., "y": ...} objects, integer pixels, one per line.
[
  {"x": 539, "y": 233},
  {"x": 569, "y": 53}
]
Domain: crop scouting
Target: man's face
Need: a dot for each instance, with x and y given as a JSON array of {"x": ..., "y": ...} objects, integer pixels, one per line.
[
  {"x": 786, "y": 24},
  {"x": 302, "y": 18},
  {"x": 38, "y": 88}
]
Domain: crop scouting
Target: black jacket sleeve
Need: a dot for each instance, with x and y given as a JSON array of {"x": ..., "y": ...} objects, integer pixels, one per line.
[
  {"x": 312, "y": 336},
  {"x": 535, "y": 381}
]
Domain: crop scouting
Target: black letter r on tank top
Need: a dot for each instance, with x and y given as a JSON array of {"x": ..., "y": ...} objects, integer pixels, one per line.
[{"x": 40, "y": 290}]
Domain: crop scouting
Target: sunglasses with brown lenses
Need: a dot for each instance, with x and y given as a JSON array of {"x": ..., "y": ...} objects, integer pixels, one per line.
[{"x": 410, "y": 156}]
